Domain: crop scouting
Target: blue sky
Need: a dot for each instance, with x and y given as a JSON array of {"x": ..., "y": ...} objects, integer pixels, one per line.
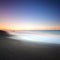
[{"x": 38, "y": 12}]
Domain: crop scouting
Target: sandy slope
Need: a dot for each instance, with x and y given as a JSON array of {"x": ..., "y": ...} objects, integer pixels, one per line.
[{"x": 17, "y": 50}]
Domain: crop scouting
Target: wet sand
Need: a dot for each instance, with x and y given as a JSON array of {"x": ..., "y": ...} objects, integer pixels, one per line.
[{"x": 11, "y": 49}]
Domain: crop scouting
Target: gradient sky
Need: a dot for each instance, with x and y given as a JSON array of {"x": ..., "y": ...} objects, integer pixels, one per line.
[{"x": 30, "y": 15}]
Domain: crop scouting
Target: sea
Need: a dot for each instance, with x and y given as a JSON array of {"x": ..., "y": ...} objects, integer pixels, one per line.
[
  {"x": 38, "y": 36},
  {"x": 56, "y": 32}
]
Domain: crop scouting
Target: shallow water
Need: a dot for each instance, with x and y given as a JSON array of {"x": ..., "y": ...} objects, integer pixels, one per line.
[{"x": 38, "y": 36}]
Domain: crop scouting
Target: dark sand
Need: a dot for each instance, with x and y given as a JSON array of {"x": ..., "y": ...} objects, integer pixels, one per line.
[{"x": 17, "y": 50}]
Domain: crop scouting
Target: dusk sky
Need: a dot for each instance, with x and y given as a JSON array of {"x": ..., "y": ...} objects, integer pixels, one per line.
[{"x": 30, "y": 15}]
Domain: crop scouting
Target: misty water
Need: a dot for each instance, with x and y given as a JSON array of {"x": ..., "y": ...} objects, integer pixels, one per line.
[{"x": 37, "y": 36}]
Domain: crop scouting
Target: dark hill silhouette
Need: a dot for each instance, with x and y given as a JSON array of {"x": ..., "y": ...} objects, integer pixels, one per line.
[{"x": 3, "y": 34}]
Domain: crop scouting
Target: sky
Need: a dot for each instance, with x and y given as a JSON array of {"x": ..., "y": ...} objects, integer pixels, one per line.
[{"x": 30, "y": 14}]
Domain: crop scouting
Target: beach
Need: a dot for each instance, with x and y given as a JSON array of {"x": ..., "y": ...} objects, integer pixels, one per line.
[{"x": 15, "y": 49}]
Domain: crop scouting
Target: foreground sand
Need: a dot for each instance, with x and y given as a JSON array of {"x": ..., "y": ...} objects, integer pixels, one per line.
[{"x": 18, "y": 50}]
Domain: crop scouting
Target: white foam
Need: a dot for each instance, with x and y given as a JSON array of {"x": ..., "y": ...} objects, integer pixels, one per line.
[{"x": 36, "y": 38}]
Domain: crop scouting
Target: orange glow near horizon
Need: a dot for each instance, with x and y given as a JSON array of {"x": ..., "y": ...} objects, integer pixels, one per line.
[
  {"x": 16, "y": 27},
  {"x": 19, "y": 26}
]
